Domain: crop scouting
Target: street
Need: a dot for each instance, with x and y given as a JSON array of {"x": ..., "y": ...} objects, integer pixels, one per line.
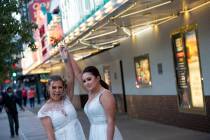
[{"x": 131, "y": 129}]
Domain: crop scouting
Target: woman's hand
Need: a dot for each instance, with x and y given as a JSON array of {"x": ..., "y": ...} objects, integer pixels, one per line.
[{"x": 64, "y": 53}]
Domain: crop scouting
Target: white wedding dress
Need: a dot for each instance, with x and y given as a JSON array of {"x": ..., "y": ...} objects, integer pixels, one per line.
[
  {"x": 96, "y": 115},
  {"x": 64, "y": 120}
]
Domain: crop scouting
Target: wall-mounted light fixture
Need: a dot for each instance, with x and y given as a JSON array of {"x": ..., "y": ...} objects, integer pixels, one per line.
[
  {"x": 103, "y": 47},
  {"x": 153, "y": 21},
  {"x": 141, "y": 30},
  {"x": 80, "y": 48},
  {"x": 111, "y": 42},
  {"x": 173, "y": 17},
  {"x": 121, "y": 13},
  {"x": 79, "y": 57},
  {"x": 195, "y": 8},
  {"x": 101, "y": 35},
  {"x": 126, "y": 30},
  {"x": 146, "y": 9}
]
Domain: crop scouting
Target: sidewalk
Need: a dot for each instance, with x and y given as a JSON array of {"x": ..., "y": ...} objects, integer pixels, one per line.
[
  {"x": 30, "y": 127},
  {"x": 131, "y": 129}
]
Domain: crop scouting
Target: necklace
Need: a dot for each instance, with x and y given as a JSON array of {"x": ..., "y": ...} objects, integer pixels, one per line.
[{"x": 56, "y": 106}]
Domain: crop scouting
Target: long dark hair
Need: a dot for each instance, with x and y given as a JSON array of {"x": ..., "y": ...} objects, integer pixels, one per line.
[{"x": 94, "y": 71}]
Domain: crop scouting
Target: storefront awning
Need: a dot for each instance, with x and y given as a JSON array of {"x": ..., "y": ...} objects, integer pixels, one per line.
[{"x": 132, "y": 18}]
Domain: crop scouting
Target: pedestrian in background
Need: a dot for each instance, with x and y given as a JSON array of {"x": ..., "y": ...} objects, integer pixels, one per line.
[
  {"x": 24, "y": 96},
  {"x": 19, "y": 94},
  {"x": 31, "y": 96},
  {"x": 9, "y": 101},
  {"x": 1, "y": 103},
  {"x": 45, "y": 92}
]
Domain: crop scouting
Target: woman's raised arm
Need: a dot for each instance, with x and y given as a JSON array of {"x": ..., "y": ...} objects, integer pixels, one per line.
[
  {"x": 69, "y": 71},
  {"x": 77, "y": 71}
]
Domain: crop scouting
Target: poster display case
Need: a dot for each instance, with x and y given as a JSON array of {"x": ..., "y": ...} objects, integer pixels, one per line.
[
  {"x": 188, "y": 70},
  {"x": 142, "y": 70}
]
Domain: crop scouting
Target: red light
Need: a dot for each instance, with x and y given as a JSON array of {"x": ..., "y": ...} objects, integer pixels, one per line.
[
  {"x": 7, "y": 81},
  {"x": 14, "y": 66}
]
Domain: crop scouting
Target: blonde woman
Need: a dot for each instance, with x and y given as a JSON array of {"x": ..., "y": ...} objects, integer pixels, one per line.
[{"x": 58, "y": 115}]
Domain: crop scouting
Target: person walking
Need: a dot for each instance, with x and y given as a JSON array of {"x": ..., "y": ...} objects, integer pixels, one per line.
[
  {"x": 9, "y": 101},
  {"x": 100, "y": 107},
  {"x": 58, "y": 115},
  {"x": 24, "y": 96},
  {"x": 45, "y": 92},
  {"x": 19, "y": 94},
  {"x": 31, "y": 96},
  {"x": 1, "y": 105}
]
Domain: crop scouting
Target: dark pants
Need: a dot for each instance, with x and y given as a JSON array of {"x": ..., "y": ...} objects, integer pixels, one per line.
[
  {"x": 31, "y": 102},
  {"x": 24, "y": 101},
  {"x": 1, "y": 107},
  {"x": 13, "y": 120}
]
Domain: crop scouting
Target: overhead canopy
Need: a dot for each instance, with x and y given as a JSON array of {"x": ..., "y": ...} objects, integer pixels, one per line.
[{"x": 130, "y": 19}]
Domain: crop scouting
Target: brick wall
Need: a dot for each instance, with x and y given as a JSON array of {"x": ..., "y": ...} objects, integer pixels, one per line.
[
  {"x": 119, "y": 103},
  {"x": 164, "y": 109}
]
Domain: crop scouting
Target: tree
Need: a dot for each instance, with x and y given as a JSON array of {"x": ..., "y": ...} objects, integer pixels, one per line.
[{"x": 13, "y": 34}]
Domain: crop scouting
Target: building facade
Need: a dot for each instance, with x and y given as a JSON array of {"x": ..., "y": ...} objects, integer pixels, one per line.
[
  {"x": 159, "y": 98},
  {"x": 153, "y": 54}
]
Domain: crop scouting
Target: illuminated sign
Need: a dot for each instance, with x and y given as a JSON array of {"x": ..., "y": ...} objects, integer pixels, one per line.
[
  {"x": 74, "y": 12},
  {"x": 188, "y": 71},
  {"x": 30, "y": 60},
  {"x": 38, "y": 11},
  {"x": 36, "y": 8},
  {"x": 55, "y": 31}
]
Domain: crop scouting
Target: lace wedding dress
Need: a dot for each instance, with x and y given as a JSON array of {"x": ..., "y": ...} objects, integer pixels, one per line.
[
  {"x": 64, "y": 120},
  {"x": 97, "y": 117}
]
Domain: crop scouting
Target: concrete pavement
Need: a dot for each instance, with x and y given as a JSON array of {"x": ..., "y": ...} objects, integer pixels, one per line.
[
  {"x": 131, "y": 129},
  {"x": 30, "y": 127}
]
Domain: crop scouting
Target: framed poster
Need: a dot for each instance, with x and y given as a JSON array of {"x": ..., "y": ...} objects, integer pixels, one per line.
[
  {"x": 142, "y": 71},
  {"x": 188, "y": 70},
  {"x": 193, "y": 61}
]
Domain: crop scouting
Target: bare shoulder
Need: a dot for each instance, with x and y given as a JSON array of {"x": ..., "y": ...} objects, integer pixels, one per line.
[
  {"x": 107, "y": 97},
  {"x": 106, "y": 94}
]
